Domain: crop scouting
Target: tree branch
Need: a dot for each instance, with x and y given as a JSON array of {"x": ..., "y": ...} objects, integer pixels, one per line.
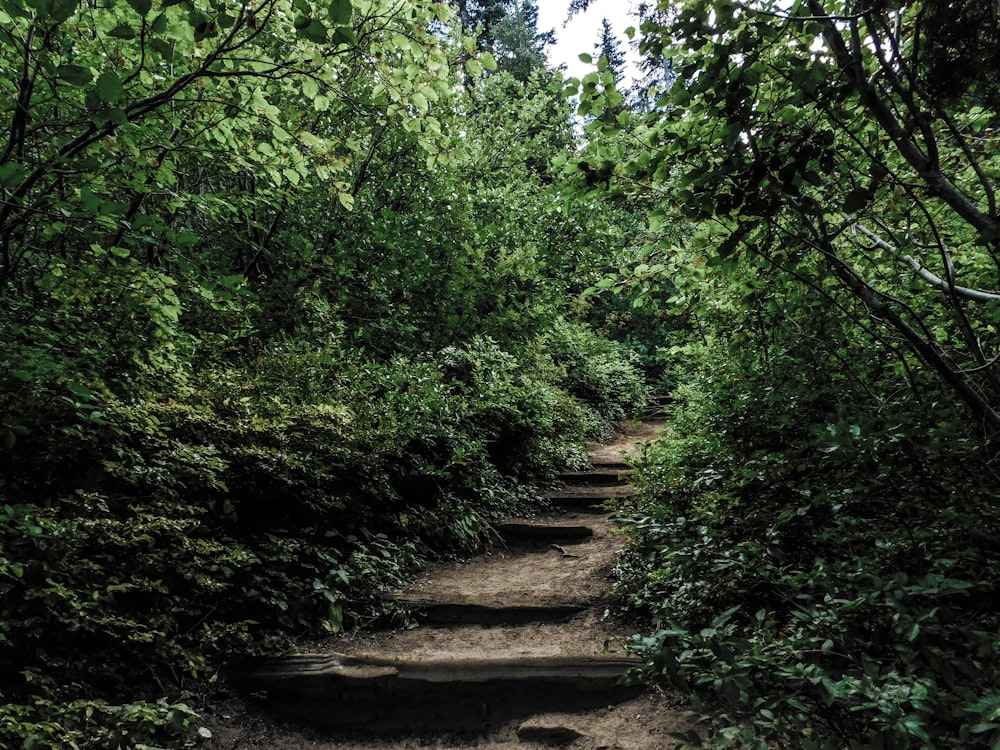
[
  {"x": 935, "y": 281},
  {"x": 933, "y": 178}
]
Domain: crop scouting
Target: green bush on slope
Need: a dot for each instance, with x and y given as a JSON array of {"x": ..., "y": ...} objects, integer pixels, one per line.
[
  {"x": 818, "y": 577},
  {"x": 280, "y": 497}
]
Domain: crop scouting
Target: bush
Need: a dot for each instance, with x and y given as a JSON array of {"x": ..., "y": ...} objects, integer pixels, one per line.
[
  {"x": 282, "y": 495},
  {"x": 602, "y": 374},
  {"x": 816, "y": 577}
]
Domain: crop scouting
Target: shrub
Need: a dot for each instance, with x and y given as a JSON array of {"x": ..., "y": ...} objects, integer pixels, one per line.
[
  {"x": 281, "y": 495},
  {"x": 816, "y": 577},
  {"x": 602, "y": 374}
]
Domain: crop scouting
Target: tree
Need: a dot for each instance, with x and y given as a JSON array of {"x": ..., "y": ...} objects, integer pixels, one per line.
[
  {"x": 832, "y": 157},
  {"x": 832, "y": 445},
  {"x": 509, "y": 30},
  {"x": 480, "y": 18},
  {"x": 609, "y": 47},
  {"x": 656, "y": 69},
  {"x": 520, "y": 47},
  {"x": 307, "y": 252}
]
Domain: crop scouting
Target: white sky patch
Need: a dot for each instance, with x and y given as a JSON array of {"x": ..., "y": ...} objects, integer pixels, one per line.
[{"x": 583, "y": 32}]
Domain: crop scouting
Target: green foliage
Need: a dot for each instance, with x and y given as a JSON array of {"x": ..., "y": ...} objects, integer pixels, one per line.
[
  {"x": 286, "y": 494},
  {"x": 598, "y": 372},
  {"x": 816, "y": 543},
  {"x": 810, "y": 146},
  {"x": 818, "y": 576},
  {"x": 275, "y": 284},
  {"x": 46, "y": 725}
]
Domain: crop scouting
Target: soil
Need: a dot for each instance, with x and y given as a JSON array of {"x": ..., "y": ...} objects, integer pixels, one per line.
[{"x": 548, "y": 574}]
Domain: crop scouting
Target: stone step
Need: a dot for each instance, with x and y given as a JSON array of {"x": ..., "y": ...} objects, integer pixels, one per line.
[
  {"x": 543, "y": 531},
  {"x": 376, "y": 695},
  {"x": 469, "y": 611}
]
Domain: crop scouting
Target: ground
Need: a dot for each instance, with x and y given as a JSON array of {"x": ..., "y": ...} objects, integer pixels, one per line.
[{"x": 534, "y": 574}]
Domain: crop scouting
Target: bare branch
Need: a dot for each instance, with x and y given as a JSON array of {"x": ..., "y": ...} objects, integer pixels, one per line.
[
  {"x": 938, "y": 283},
  {"x": 935, "y": 281}
]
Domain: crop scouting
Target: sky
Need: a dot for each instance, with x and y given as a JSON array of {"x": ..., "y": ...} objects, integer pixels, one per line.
[{"x": 583, "y": 32}]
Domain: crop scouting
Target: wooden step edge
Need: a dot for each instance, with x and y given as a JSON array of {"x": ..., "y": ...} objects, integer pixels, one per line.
[
  {"x": 542, "y": 531},
  {"x": 597, "y": 476},
  {"x": 383, "y": 696},
  {"x": 591, "y": 492},
  {"x": 273, "y": 669},
  {"x": 584, "y": 505},
  {"x": 467, "y": 612},
  {"x": 621, "y": 467}
]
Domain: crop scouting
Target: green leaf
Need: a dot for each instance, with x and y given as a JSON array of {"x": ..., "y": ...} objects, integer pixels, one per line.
[
  {"x": 340, "y": 11},
  {"x": 584, "y": 57},
  {"x": 401, "y": 41},
  {"x": 122, "y": 31},
  {"x": 856, "y": 200},
  {"x": 487, "y": 60},
  {"x": 75, "y": 75},
  {"x": 335, "y": 618},
  {"x": 142, "y": 7},
  {"x": 344, "y": 35},
  {"x": 11, "y": 174},
  {"x": 79, "y": 390},
  {"x": 109, "y": 87},
  {"x": 315, "y": 31},
  {"x": 63, "y": 10},
  {"x": 163, "y": 48}
]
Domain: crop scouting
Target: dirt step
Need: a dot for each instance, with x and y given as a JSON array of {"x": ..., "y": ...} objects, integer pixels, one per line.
[
  {"x": 541, "y": 580},
  {"x": 628, "y": 445},
  {"x": 472, "y": 612},
  {"x": 384, "y": 695},
  {"x": 592, "y": 633},
  {"x": 530, "y": 531}
]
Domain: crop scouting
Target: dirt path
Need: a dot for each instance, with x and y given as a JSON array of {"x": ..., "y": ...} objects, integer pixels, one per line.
[{"x": 516, "y": 649}]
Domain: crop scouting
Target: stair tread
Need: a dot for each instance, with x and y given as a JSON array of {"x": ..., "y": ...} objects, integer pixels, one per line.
[
  {"x": 439, "y": 669},
  {"x": 591, "y": 491},
  {"x": 444, "y": 611},
  {"x": 381, "y": 695},
  {"x": 544, "y": 530},
  {"x": 590, "y": 633}
]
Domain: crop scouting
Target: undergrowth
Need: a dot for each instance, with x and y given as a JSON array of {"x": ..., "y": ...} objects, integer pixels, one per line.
[
  {"x": 818, "y": 573},
  {"x": 146, "y": 541}
]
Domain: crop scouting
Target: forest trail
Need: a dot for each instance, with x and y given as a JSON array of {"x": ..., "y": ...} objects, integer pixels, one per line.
[{"x": 514, "y": 649}]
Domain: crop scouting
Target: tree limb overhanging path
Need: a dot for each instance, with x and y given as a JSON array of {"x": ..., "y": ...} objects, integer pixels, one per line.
[{"x": 514, "y": 648}]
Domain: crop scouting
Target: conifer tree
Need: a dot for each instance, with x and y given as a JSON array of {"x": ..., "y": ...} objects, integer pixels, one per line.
[
  {"x": 509, "y": 30},
  {"x": 520, "y": 48},
  {"x": 610, "y": 47}
]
